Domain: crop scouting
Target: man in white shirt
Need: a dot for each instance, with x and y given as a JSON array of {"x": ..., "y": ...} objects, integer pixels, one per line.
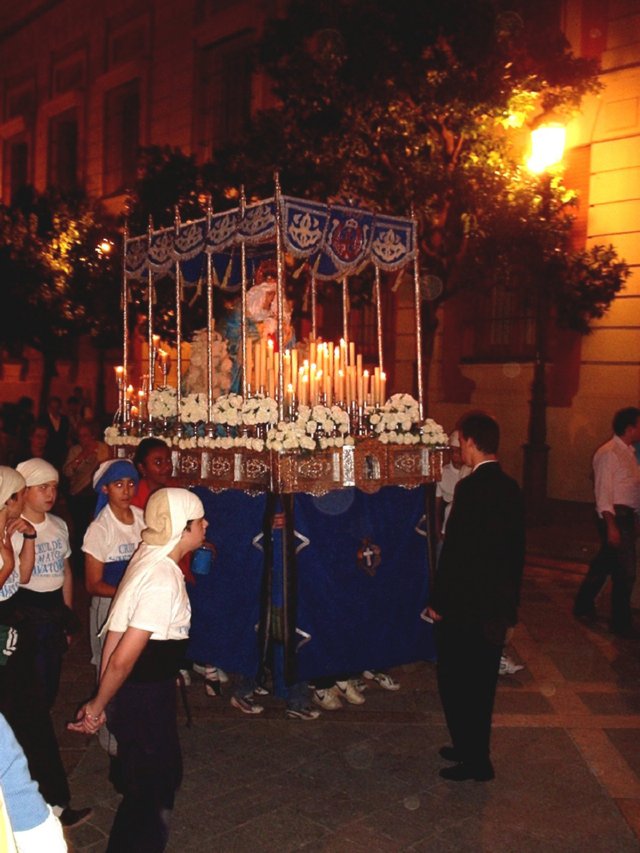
[
  {"x": 452, "y": 472},
  {"x": 617, "y": 494}
]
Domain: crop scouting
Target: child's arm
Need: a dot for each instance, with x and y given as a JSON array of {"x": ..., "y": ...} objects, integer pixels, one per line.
[
  {"x": 93, "y": 569},
  {"x": 6, "y": 551},
  {"x": 67, "y": 585},
  {"x": 28, "y": 551}
]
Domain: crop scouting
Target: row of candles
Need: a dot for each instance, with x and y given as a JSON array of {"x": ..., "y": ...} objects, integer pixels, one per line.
[
  {"x": 331, "y": 374},
  {"x": 132, "y": 404}
]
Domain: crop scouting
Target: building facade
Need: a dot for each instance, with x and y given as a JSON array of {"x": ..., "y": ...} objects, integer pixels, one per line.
[{"x": 588, "y": 378}]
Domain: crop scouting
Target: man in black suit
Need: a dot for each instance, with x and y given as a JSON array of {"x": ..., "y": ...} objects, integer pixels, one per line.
[{"x": 475, "y": 597}]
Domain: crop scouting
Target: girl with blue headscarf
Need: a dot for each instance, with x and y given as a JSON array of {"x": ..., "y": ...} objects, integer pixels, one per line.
[{"x": 110, "y": 541}]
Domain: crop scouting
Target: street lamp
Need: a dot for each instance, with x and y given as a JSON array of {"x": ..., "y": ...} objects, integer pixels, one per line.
[
  {"x": 547, "y": 148},
  {"x": 104, "y": 247}
]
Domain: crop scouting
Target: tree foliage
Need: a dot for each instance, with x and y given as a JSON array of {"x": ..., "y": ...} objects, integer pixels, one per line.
[
  {"x": 58, "y": 282},
  {"x": 423, "y": 106},
  {"x": 426, "y": 106}
]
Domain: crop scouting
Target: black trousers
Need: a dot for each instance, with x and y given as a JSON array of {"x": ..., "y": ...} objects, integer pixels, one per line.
[
  {"x": 142, "y": 718},
  {"x": 23, "y": 704},
  {"x": 468, "y": 664},
  {"x": 620, "y": 564}
]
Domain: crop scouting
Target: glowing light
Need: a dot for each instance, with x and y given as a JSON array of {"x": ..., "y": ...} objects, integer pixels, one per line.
[
  {"x": 547, "y": 147},
  {"x": 104, "y": 247}
]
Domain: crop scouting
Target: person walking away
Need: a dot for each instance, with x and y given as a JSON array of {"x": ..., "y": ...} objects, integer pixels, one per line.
[{"x": 617, "y": 497}]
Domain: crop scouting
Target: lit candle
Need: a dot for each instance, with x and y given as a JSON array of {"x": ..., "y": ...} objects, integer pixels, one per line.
[
  {"x": 289, "y": 400},
  {"x": 164, "y": 365},
  {"x": 383, "y": 388},
  {"x": 263, "y": 362}
]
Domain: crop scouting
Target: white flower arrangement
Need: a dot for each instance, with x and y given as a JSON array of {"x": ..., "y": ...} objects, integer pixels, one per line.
[
  {"x": 315, "y": 428},
  {"x": 289, "y": 435},
  {"x": 259, "y": 410},
  {"x": 432, "y": 434},
  {"x": 398, "y": 422},
  {"x": 193, "y": 408},
  {"x": 335, "y": 441},
  {"x": 163, "y": 402},
  {"x": 331, "y": 419},
  {"x": 227, "y": 410},
  {"x": 112, "y": 436}
]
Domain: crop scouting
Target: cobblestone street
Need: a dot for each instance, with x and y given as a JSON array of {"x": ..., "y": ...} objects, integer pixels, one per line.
[{"x": 566, "y": 748}]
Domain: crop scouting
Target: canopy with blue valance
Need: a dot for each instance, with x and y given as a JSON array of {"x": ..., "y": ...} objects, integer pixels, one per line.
[{"x": 336, "y": 240}]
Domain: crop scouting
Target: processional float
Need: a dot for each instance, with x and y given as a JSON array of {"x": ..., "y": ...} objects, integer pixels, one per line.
[{"x": 306, "y": 417}]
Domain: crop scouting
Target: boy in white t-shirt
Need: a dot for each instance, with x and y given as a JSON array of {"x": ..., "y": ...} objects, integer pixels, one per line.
[
  {"x": 110, "y": 541},
  {"x": 47, "y": 598}
]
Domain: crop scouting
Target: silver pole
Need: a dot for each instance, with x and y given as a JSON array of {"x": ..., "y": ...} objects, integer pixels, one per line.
[
  {"x": 209, "y": 322},
  {"x": 280, "y": 296},
  {"x": 314, "y": 294},
  {"x": 243, "y": 300},
  {"x": 416, "y": 293},
  {"x": 345, "y": 308},
  {"x": 178, "y": 324},
  {"x": 152, "y": 356},
  {"x": 125, "y": 309},
  {"x": 378, "y": 299}
]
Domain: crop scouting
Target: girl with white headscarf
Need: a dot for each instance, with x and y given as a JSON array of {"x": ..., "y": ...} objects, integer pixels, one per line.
[
  {"x": 46, "y": 600},
  {"x": 146, "y": 632},
  {"x": 22, "y": 700}
]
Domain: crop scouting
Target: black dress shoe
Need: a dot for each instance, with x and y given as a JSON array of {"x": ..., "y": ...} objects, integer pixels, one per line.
[
  {"x": 450, "y": 753},
  {"x": 624, "y": 631},
  {"x": 463, "y": 772},
  {"x": 587, "y": 615}
]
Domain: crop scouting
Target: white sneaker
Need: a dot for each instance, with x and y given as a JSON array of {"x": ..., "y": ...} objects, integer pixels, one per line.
[
  {"x": 382, "y": 678},
  {"x": 347, "y": 690},
  {"x": 246, "y": 704},
  {"x": 509, "y": 666},
  {"x": 202, "y": 669},
  {"x": 327, "y": 699}
]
